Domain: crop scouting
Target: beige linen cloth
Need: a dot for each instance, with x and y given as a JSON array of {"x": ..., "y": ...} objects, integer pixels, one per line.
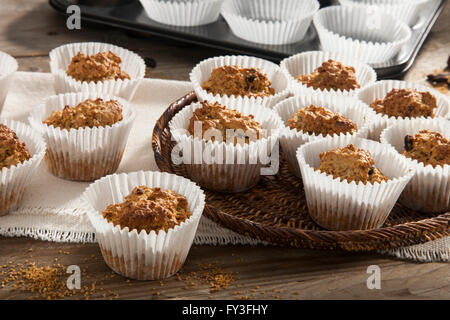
[{"x": 50, "y": 209}]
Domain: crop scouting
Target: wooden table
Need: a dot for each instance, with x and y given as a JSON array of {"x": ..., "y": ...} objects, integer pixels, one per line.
[{"x": 29, "y": 29}]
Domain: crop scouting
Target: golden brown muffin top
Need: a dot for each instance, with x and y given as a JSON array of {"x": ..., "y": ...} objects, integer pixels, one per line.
[
  {"x": 429, "y": 147},
  {"x": 89, "y": 113},
  {"x": 319, "y": 120},
  {"x": 352, "y": 164},
  {"x": 149, "y": 209},
  {"x": 233, "y": 80},
  {"x": 331, "y": 75},
  {"x": 12, "y": 150},
  {"x": 98, "y": 67},
  {"x": 406, "y": 103},
  {"x": 217, "y": 116}
]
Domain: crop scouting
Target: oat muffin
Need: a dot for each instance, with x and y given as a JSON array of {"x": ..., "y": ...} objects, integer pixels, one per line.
[
  {"x": 406, "y": 103},
  {"x": 319, "y": 120},
  {"x": 233, "y": 80},
  {"x": 98, "y": 67},
  {"x": 429, "y": 147},
  {"x": 331, "y": 75},
  {"x": 89, "y": 113},
  {"x": 216, "y": 116},
  {"x": 351, "y": 164},
  {"x": 149, "y": 209},
  {"x": 12, "y": 150}
]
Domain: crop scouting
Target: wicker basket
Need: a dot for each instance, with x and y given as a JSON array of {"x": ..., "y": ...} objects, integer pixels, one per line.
[{"x": 275, "y": 210}]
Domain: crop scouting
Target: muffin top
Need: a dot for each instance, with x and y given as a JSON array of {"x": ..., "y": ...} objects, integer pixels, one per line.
[
  {"x": 12, "y": 150},
  {"x": 233, "y": 80},
  {"x": 406, "y": 103},
  {"x": 149, "y": 209},
  {"x": 89, "y": 113},
  {"x": 429, "y": 147},
  {"x": 331, "y": 75},
  {"x": 98, "y": 67},
  {"x": 319, "y": 120},
  {"x": 217, "y": 116},
  {"x": 352, "y": 164}
]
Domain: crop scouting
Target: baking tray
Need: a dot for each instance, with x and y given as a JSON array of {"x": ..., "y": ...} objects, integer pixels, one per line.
[{"x": 131, "y": 16}]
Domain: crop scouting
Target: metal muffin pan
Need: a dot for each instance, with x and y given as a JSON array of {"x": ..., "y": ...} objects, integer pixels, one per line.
[{"x": 130, "y": 15}]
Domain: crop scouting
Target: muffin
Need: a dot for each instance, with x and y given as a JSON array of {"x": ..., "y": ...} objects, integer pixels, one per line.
[
  {"x": 239, "y": 80},
  {"x": 97, "y": 68},
  {"x": 425, "y": 145},
  {"x": 311, "y": 117},
  {"x": 21, "y": 152},
  {"x": 8, "y": 66},
  {"x": 325, "y": 73},
  {"x": 331, "y": 75},
  {"x": 351, "y": 183},
  {"x": 225, "y": 149},
  {"x": 406, "y": 103},
  {"x": 236, "y": 81},
  {"x": 147, "y": 234},
  {"x": 86, "y": 134},
  {"x": 351, "y": 164},
  {"x": 395, "y": 100}
]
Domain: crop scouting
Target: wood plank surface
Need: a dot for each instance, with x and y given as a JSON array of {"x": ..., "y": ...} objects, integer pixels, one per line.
[{"x": 29, "y": 29}]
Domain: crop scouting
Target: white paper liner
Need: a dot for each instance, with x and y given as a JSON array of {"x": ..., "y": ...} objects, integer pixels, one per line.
[
  {"x": 202, "y": 72},
  {"x": 143, "y": 256},
  {"x": 13, "y": 180},
  {"x": 241, "y": 167},
  {"x": 366, "y": 34},
  {"x": 8, "y": 66},
  {"x": 291, "y": 139},
  {"x": 307, "y": 62},
  {"x": 339, "y": 205},
  {"x": 407, "y": 11},
  {"x": 429, "y": 189},
  {"x": 380, "y": 89},
  {"x": 83, "y": 154},
  {"x": 132, "y": 63},
  {"x": 183, "y": 13},
  {"x": 271, "y": 22}
]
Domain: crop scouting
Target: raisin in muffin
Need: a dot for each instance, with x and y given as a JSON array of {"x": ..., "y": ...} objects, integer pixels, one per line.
[
  {"x": 319, "y": 120},
  {"x": 218, "y": 117},
  {"x": 233, "y": 80},
  {"x": 331, "y": 75},
  {"x": 429, "y": 147},
  {"x": 89, "y": 113},
  {"x": 149, "y": 209},
  {"x": 406, "y": 103},
  {"x": 12, "y": 150},
  {"x": 98, "y": 67},
  {"x": 351, "y": 164}
]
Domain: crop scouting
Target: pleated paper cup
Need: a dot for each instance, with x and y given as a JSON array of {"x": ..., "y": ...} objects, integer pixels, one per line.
[
  {"x": 271, "y": 22},
  {"x": 407, "y": 11},
  {"x": 364, "y": 33},
  {"x": 380, "y": 89},
  {"x": 307, "y": 62},
  {"x": 339, "y": 205},
  {"x": 8, "y": 66},
  {"x": 291, "y": 139},
  {"x": 225, "y": 167},
  {"x": 132, "y": 63},
  {"x": 183, "y": 13},
  {"x": 83, "y": 154},
  {"x": 429, "y": 189},
  {"x": 13, "y": 180},
  {"x": 202, "y": 72},
  {"x": 143, "y": 256}
]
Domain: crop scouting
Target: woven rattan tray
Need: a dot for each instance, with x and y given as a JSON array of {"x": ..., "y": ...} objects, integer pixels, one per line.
[{"x": 276, "y": 211}]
